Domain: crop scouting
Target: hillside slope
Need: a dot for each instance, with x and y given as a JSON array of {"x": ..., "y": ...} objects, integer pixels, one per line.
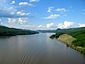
[
  {"x": 78, "y": 34},
  {"x": 6, "y": 31}
]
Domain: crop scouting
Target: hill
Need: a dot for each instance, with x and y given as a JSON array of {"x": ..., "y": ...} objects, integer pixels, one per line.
[
  {"x": 47, "y": 31},
  {"x": 6, "y": 31},
  {"x": 73, "y": 36}
]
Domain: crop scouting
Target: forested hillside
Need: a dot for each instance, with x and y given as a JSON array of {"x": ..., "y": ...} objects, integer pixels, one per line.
[
  {"x": 77, "y": 33},
  {"x": 5, "y": 31}
]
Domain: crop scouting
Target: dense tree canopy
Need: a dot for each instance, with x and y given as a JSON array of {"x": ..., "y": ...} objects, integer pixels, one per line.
[{"x": 5, "y": 31}]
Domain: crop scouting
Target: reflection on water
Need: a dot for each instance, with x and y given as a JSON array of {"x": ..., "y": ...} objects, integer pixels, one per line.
[{"x": 37, "y": 49}]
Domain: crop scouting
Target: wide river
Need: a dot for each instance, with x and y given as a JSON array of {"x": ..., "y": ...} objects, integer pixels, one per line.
[{"x": 37, "y": 49}]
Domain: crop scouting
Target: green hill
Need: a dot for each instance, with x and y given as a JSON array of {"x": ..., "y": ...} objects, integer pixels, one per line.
[
  {"x": 6, "y": 31},
  {"x": 74, "y": 36}
]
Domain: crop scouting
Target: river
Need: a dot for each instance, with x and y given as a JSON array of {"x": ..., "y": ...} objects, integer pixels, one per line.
[{"x": 37, "y": 49}]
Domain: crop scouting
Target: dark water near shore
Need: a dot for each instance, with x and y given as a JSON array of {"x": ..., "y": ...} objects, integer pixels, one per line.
[{"x": 37, "y": 49}]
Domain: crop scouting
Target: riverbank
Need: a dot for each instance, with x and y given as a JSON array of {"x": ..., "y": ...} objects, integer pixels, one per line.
[
  {"x": 74, "y": 38},
  {"x": 77, "y": 48}
]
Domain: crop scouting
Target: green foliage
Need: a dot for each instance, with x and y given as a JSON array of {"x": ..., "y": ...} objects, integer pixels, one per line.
[
  {"x": 75, "y": 38},
  {"x": 5, "y": 31},
  {"x": 52, "y": 36},
  {"x": 80, "y": 36},
  {"x": 79, "y": 43},
  {"x": 78, "y": 33}
]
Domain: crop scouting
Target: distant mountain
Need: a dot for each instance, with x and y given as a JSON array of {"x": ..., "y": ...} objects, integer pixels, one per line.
[
  {"x": 47, "y": 31},
  {"x": 6, "y": 31}
]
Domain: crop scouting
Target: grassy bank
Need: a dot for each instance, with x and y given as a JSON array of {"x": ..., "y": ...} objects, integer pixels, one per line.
[{"x": 75, "y": 38}]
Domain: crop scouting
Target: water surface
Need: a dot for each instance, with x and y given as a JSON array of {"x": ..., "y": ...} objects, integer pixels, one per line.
[{"x": 37, "y": 49}]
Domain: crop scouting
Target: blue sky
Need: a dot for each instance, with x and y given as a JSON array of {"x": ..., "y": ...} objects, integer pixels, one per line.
[{"x": 42, "y": 14}]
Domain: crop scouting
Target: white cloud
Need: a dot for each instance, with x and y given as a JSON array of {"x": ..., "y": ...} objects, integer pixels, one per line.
[
  {"x": 22, "y": 20},
  {"x": 81, "y": 25},
  {"x": 25, "y": 4},
  {"x": 61, "y": 9},
  {"x": 34, "y": 0},
  {"x": 66, "y": 24},
  {"x": 11, "y": 10},
  {"x": 13, "y": 2},
  {"x": 15, "y": 21},
  {"x": 31, "y": 27},
  {"x": 11, "y": 21},
  {"x": 49, "y": 25},
  {"x": 39, "y": 27},
  {"x": 22, "y": 13},
  {"x": 1, "y": 22},
  {"x": 50, "y": 9},
  {"x": 53, "y": 16},
  {"x": 8, "y": 10}
]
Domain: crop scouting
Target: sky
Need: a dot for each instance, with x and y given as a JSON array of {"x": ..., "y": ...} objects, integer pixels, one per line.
[{"x": 42, "y": 14}]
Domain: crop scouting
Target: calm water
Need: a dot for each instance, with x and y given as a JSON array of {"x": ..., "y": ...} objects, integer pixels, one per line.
[{"x": 37, "y": 49}]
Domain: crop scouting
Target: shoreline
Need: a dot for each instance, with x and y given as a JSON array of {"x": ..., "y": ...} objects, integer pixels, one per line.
[{"x": 77, "y": 48}]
